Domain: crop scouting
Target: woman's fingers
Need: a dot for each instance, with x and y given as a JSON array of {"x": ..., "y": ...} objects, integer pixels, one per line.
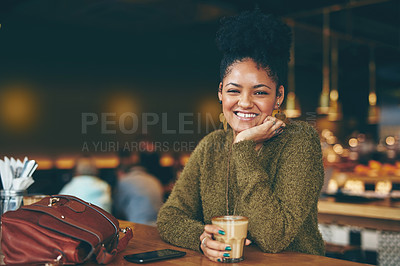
[
  {"x": 247, "y": 242},
  {"x": 273, "y": 122},
  {"x": 213, "y": 229},
  {"x": 213, "y": 249},
  {"x": 203, "y": 239},
  {"x": 278, "y": 127},
  {"x": 205, "y": 234},
  {"x": 209, "y": 232},
  {"x": 216, "y": 245},
  {"x": 270, "y": 128}
]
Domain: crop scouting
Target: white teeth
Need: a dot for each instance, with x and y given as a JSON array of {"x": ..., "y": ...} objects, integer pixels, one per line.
[{"x": 245, "y": 115}]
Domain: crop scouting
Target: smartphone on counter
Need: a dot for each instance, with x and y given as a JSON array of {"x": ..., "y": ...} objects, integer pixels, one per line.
[{"x": 154, "y": 255}]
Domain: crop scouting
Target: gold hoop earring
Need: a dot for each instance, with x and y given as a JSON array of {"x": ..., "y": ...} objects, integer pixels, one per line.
[
  {"x": 280, "y": 115},
  {"x": 222, "y": 119}
]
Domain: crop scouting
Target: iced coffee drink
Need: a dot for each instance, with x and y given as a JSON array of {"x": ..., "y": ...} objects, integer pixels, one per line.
[{"x": 235, "y": 228}]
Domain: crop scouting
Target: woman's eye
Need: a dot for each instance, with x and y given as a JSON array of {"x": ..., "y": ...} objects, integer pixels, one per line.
[
  {"x": 233, "y": 91},
  {"x": 261, "y": 93}
]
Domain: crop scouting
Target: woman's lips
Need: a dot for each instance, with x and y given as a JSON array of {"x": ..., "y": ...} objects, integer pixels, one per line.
[{"x": 245, "y": 116}]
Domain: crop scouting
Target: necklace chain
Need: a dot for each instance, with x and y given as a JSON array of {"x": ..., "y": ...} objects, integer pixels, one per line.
[{"x": 227, "y": 180}]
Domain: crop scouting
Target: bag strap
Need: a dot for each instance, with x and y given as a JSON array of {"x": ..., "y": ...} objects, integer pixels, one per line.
[{"x": 104, "y": 257}]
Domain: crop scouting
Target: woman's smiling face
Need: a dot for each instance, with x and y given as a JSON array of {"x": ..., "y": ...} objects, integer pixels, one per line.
[{"x": 248, "y": 95}]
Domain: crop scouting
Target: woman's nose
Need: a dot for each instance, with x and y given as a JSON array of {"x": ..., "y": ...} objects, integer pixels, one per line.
[{"x": 245, "y": 101}]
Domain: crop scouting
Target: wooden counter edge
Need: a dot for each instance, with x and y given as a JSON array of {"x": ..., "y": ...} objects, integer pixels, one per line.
[{"x": 358, "y": 210}]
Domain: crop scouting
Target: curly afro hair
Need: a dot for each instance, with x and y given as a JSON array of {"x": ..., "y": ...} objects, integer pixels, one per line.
[{"x": 252, "y": 35}]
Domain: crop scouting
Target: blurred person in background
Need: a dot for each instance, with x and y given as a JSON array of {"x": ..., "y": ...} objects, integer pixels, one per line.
[
  {"x": 138, "y": 195},
  {"x": 88, "y": 186}
]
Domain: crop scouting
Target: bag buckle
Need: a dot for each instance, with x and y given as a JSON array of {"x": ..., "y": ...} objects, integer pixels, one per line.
[
  {"x": 124, "y": 230},
  {"x": 53, "y": 201}
]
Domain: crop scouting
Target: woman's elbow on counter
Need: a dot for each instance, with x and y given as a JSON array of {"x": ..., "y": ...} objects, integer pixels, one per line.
[
  {"x": 272, "y": 246},
  {"x": 271, "y": 249}
]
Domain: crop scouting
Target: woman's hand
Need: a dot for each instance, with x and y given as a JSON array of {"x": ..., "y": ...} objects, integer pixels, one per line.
[
  {"x": 270, "y": 127},
  {"x": 212, "y": 249}
]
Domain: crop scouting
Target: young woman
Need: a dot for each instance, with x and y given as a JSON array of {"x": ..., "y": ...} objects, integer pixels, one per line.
[{"x": 261, "y": 167}]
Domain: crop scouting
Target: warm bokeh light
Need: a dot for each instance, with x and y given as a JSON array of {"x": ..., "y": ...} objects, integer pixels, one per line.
[
  {"x": 107, "y": 162},
  {"x": 167, "y": 160},
  {"x": 19, "y": 109},
  {"x": 354, "y": 186},
  {"x": 100, "y": 162},
  {"x": 184, "y": 159},
  {"x": 292, "y": 109},
  {"x": 331, "y": 140},
  {"x": 65, "y": 163},
  {"x": 331, "y": 157},
  {"x": 323, "y": 102},
  {"x": 335, "y": 111},
  {"x": 383, "y": 187},
  {"x": 341, "y": 178},
  {"x": 338, "y": 148},
  {"x": 334, "y": 95},
  {"x": 44, "y": 164},
  {"x": 326, "y": 133},
  {"x": 390, "y": 141},
  {"x": 372, "y": 98},
  {"x": 353, "y": 142},
  {"x": 125, "y": 107},
  {"x": 332, "y": 186},
  {"x": 121, "y": 103}
]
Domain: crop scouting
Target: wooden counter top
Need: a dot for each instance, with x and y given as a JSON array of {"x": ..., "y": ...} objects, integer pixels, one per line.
[
  {"x": 359, "y": 210},
  {"x": 364, "y": 215},
  {"x": 146, "y": 238}
]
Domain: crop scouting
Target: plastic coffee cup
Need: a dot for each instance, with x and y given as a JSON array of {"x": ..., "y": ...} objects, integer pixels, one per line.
[{"x": 235, "y": 228}]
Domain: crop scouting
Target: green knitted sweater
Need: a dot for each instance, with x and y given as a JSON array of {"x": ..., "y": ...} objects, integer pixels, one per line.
[{"x": 277, "y": 187}]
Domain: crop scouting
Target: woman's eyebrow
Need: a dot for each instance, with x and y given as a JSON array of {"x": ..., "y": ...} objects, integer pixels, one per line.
[
  {"x": 254, "y": 87},
  {"x": 261, "y": 85},
  {"x": 234, "y": 84}
]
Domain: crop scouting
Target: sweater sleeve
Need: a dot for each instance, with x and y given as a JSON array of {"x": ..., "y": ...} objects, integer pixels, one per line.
[
  {"x": 180, "y": 219},
  {"x": 277, "y": 209}
]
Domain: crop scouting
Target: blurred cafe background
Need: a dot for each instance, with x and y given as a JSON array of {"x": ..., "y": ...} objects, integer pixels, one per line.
[{"x": 115, "y": 79}]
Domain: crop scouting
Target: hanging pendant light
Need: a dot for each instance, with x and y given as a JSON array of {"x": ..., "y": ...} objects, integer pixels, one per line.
[
  {"x": 324, "y": 98},
  {"x": 292, "y": 109},
  {"x": 335, "y": 108},
  {"x": 373, "y": 110}
]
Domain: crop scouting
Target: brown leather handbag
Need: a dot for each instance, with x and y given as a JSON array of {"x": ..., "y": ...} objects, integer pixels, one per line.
[{"x": 62, "y": 229}]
